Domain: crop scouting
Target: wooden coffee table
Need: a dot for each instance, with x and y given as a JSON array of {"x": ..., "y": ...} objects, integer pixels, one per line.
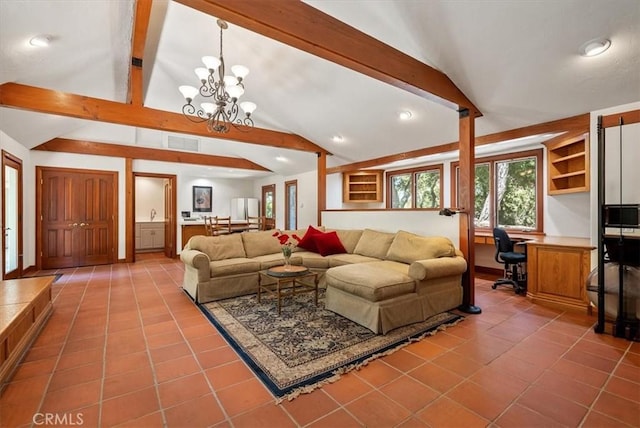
[{"x": 287, "y": 281}]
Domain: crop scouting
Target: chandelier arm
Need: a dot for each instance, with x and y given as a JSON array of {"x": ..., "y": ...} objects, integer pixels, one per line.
[
  {"x": 232, "y": 113},
  {"x": 188, "y": 110},
  {"x": 207, "y": 90}
]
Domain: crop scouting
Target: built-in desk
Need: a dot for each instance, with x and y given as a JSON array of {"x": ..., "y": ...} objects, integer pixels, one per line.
[{"x": 557, "y": 271}]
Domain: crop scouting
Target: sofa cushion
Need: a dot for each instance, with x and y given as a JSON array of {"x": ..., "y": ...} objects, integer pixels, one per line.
[
  {"x": 233, "y": 267},
  {"x": 329, "y": 243},
  {"x": 349, "y": 238},
  {"x": 313, "y": 260},
  {"x": 308, "y": 240},
  {"x": 374, "y": 244},
  {"x": 219, "y": 247},
  {"x": 260, "y": 243},
  {"x": 408, "y": 247},
  {"x": 349, "y": 259},
  {"x": 370, "y": 282}
]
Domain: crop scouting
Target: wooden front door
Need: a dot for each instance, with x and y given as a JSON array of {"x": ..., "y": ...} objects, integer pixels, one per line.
[{"x": 78, "y": 217}]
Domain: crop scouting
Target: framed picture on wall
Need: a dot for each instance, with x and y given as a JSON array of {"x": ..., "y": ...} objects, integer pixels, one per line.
[{"x": 202, "y": 198}]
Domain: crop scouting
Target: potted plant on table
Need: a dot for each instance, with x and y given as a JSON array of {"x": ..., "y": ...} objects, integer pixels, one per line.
[{"x": 287, "y": 243}]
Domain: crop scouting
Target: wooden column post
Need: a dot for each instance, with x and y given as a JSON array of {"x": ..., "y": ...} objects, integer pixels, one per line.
[
  {"x": 466, "y": 190},
  {"x": 322, "y": 185},
  {"x": 130, "y": 221}
]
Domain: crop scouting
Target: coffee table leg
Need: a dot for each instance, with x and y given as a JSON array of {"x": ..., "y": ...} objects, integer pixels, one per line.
[
  {"x": 315, "y": 281},
  {"x": 279, "y": 296},
  {"x": 259, "y": 286}
]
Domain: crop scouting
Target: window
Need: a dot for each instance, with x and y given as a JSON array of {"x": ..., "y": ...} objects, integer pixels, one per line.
[
  {"x": 508, "y": 191},
  {"x": 415, "y": 188}
]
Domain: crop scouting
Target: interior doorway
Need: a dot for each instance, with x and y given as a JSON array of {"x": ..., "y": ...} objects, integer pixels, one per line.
[
  {"x": 11, "y": 216},
  {"x": 154, "y": 219},
  {"x": 269, "y": 206},
  {"x": 291, "y": 204}
]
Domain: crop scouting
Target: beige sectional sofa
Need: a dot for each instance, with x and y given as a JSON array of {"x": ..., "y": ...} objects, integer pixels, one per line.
[{"x": 382, "y": 281}]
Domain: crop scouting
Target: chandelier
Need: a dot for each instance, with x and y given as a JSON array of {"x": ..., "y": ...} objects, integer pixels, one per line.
[{"x": 223, "y": 90}]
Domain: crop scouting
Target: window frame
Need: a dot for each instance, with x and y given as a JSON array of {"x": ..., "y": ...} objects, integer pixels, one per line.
[
  {"x": 414, "y": 171},
  {"x": 538, "y": 154}
]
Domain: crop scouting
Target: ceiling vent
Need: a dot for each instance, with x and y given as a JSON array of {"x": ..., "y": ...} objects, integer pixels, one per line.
[{"x": 183, "y": 143}]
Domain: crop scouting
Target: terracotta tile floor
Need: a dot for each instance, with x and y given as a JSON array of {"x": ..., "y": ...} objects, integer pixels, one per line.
[{"x": 126, "y": 347}]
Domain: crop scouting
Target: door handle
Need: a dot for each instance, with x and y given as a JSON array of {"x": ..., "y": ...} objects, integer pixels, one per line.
[
  {"x": 72, "y": 224},
  {"x": 84, "y": 224}
]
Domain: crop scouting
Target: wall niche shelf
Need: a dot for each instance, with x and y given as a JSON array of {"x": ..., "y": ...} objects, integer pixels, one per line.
[
  {"x": 568, "y": 164},
  {"x": 362, "y": 186}
]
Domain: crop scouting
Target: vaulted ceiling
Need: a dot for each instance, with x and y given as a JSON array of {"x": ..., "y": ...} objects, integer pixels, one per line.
[{"x": 517, "y": 62}]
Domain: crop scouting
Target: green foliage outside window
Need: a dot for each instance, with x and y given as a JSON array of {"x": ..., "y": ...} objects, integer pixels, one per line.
[
  {"x": 401, "y": 191},
  {"x": 427, "y": 189},
  {"x": 517, "y": 202},
  {"x": 515, "y": 197},
  {"x": 416, "y": 189}
]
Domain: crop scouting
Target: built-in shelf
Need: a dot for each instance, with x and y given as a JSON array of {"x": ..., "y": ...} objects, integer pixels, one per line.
[
  {"x": 568, "y": 164},
  {"x": 362, "y": 186}
]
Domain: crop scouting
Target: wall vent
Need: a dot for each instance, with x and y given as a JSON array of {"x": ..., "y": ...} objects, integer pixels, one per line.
[{"x": 183, "y": 143}]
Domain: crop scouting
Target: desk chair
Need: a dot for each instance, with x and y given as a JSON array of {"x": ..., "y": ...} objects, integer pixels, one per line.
[
  {"x": 221, "y": 225},
  {"x": 514, "y": 275}
]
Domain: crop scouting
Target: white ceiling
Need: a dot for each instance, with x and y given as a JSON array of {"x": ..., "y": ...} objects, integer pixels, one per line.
[{"x": 517, "y": 61}]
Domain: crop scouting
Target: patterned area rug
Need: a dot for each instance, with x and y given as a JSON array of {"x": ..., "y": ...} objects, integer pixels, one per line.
[{"x": 306, "y": 346}]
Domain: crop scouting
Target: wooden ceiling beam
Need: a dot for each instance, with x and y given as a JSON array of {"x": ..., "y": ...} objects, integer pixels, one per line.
[
  {"x": 304, "y": 27},
  {"x": 121, "y": 151},
  {"x": 578, "y": 124},
  {"x": 41, "y": 100},
  {"x": 138, "y": 40}
]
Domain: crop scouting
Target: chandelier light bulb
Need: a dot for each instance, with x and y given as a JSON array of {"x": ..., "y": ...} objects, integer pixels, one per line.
[
  {"x": 211, "y": 62},
  {"x": 208, "y": 108},
  {"x": 248, "y": 107},
  {"x": 240, "y": 71},
  {"x": 235, "y": 92},
  {"x": 202, "y": 73},
  {"x": 188, "y": 92},
  {"x": 230, "y": 81}
]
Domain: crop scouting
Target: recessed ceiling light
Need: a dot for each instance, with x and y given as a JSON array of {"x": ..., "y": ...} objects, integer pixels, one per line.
[
  {"x": 41, "y": 40},
  {"x": 595, "y": 47},
  {"x": 405, "y": 115},
  {"x": 337, "y": 138},
  {"x": 281, "y": 159}
]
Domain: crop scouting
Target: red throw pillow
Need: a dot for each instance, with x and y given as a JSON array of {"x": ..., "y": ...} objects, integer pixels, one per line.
[
  {"x": 308, "y": 240},
  {"x": 329, "y": 243}
]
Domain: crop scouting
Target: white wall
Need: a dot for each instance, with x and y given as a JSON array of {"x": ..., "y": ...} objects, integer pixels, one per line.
[
  {"x": 427, "y": 223},
  {"x": 149, "y": 196},
  {"x": 307, "y": 197},
  {"x": 223, "y": 190}
]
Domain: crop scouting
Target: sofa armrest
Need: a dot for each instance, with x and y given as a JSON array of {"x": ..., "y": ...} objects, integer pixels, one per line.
[
  {"x": 437, "y": 268},
  {"x": 198, "y": 261}
]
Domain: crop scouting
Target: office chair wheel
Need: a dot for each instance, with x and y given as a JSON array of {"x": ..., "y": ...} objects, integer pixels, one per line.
[{"x": 494, "y": 286}]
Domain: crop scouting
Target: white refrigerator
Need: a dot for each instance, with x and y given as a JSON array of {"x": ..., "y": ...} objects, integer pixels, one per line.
[{"x": 243, "y": 208}]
